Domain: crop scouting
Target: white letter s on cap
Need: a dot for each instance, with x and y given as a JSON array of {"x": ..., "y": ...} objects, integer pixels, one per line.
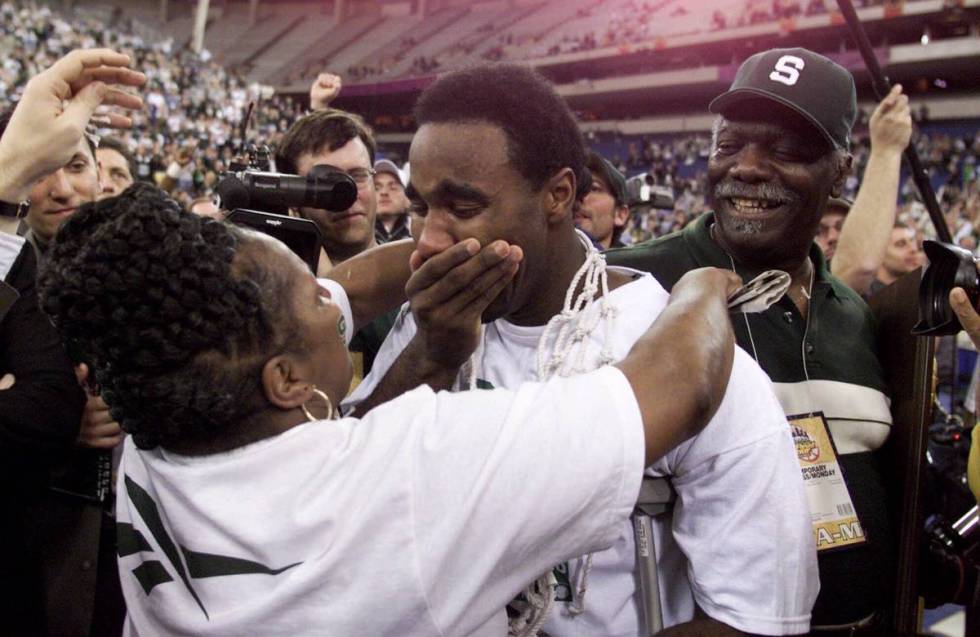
[{"x": 787, "y": 70}]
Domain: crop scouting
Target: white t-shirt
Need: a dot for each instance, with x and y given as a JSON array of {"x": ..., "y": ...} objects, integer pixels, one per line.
[
  {"x": 379, "y": 526},
  {"x": 739, "y": 540}
]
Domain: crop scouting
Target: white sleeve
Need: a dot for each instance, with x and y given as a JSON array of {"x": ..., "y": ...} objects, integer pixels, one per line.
[
  {"x": 506, "y": 484},
  {"x": 742, "y": 518},
  {"x": 339, "y": 296},
  {"x": 399, "y": 336}
]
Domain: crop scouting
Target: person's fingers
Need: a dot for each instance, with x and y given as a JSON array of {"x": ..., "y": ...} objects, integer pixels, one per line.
[
  {"x": 111, "y": 120},
  {"x": 101, "y": 443},
  {"x": 122, "y": 99},
  {"x": 98, "y": 418},
  {"x": 732, "y": 283},
  {"x": 81, "y": 373},
  {"x": 96, "y": 403},
  {"x": 74, "y": 64},
  {"x": 476, "y": 298},
  {"x": 464, "y": 274},
  {"x": 93, "y": 431},
  {"x": 415, "y": 261},
  {"x": 436, "y": 267},
  {"x": 892, "y": 96},
  {"x": 79, "y": 110},
  {"x": 109, "y": 75},
  {"x": 968, "y": 317}
]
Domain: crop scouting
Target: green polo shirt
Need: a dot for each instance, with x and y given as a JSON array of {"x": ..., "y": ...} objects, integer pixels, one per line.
[{"x": 825, "y": 362}]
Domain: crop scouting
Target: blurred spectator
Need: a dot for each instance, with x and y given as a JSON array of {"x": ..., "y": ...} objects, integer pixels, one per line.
[
  {"x": 603, "y": 211},
  {"x": 392, "y": 221},
  {"x": 831, "y": 224},
  {"x": 901, "y": 257},
  {"x": 117, "y": 167}
]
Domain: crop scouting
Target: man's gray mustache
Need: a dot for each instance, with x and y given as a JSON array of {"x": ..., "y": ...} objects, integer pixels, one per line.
[{"x": 771, "y": 192}]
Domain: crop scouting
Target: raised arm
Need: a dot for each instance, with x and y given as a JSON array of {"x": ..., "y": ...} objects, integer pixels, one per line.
[
  {"x": 324, "y": 89},
  {"x": 679, "y": 369},
  {"x": 375, "y": 280},
  {"x": 51, "y": 117},
  {"x": 868, "y": 226}
]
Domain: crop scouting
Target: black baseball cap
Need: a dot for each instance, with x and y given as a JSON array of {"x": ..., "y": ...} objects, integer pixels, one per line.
[
  {"x": 615, "y": 180},
  {"x": 814, "y": 86}
]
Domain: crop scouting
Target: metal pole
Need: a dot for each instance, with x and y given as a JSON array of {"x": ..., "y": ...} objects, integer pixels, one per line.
[
  {"x": 200, "y": 23},
  {"x": 881, "y": 86}
]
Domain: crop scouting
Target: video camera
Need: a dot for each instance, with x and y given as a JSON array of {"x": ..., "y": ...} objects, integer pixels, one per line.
[
  {"x": 642, "y": 191},
  {"x": 950, "y": 266},
  {"x": 260, "y": 199}
]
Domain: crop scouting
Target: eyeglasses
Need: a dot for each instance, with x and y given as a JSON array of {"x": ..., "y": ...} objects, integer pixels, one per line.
[{"x": 362, "y": 176}]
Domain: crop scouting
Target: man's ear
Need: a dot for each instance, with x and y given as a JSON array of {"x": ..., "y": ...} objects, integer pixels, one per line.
[
  {"x": 560, "y": 195},
  {"x": 845, "y": 164},
  {"x": 284, "y": 382},
  {"x": 621, "y": 216}
]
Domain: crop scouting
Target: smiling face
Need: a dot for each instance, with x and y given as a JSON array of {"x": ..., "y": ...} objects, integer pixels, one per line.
[
  {"x": 770, "y": 174},
  {"x": 352, "y": 231},
  {"x": 464, "y": 185},
  {"x": 55, "y": 198}
]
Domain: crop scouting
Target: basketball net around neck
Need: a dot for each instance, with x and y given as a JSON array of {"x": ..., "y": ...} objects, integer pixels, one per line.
[{"x": 562, "y": 351}]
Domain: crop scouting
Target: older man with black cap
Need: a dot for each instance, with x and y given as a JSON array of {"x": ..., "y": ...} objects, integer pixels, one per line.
[
  {"x": 391, "y": 223},
  {"x": 603, "y": 211},
  {"x": 780, "y": 151}
]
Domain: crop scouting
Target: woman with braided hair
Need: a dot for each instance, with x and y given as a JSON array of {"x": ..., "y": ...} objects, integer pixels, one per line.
[{"x": 245, "y": 508}]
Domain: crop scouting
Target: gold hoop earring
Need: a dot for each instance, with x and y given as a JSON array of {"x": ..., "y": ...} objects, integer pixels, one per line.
[{"x": 331, "y": 414}]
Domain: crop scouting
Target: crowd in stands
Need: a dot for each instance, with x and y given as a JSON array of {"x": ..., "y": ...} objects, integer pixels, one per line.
[
  {"x": 632, "y": 21},
  {"x": 194, "y": 107},
  {"x": 622, "y": 24},
  {"x": 679, "y": 164}
]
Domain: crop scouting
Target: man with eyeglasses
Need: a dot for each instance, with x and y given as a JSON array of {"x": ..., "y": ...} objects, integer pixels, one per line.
[{"x": 344, "y": 141}]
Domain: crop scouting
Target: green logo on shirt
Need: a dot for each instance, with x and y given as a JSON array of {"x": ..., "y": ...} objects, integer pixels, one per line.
[{"x": 189, "y": 565}]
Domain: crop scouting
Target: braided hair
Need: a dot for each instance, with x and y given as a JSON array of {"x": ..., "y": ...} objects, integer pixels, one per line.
[{"x": 174, "y": 313}]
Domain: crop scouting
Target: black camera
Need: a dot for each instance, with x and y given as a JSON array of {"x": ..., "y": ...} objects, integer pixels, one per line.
[
  {"x": 950, "y": 266},
  {"x": 251, "y": 185},
  {"x": 642, "y": 191},
  {"x": 260, "y": 200}
]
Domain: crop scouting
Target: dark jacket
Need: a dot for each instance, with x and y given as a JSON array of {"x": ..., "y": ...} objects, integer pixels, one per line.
[{"x": 39, "y": 419}]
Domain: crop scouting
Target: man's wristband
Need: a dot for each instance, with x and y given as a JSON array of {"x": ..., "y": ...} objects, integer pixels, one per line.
[{"x": 8, "y": 209}]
